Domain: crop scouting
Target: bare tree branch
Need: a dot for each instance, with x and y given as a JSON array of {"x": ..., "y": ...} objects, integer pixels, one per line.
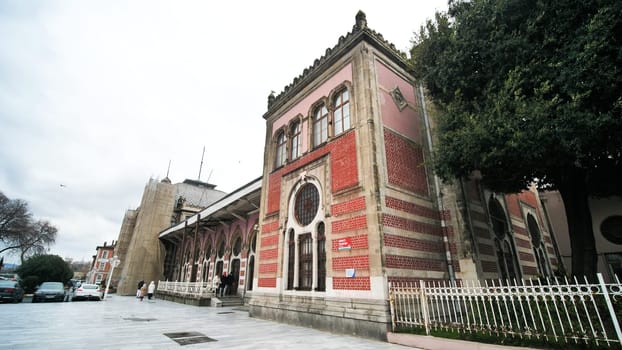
[{"x": 19, "y": 231}]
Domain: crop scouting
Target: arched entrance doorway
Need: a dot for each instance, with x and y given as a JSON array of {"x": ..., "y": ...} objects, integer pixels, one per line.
[
  {"x": 234, "y": 270},
  {"x": 250, "y": 269},
  {"x": 235, "y": 274}
]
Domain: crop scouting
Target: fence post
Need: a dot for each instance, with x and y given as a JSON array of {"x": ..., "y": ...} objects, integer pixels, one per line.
[
  {"x": 392, "y": 306},
  {"x": 612, "y": 313},
  {"x": 424, "y": 307}
]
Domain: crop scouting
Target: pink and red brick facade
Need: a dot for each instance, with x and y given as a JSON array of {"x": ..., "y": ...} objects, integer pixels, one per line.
[
  {"x": 405, "y": 167},
  {"x": 378, "y": 216}
]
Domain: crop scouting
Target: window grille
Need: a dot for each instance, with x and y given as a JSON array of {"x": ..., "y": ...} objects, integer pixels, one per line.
[
  {"x": 306, "y": 204},
  {"x": 306, "y": 262}
]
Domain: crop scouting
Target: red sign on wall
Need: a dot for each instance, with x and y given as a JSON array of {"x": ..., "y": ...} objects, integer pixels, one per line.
[{"x": 344, "y": 244}]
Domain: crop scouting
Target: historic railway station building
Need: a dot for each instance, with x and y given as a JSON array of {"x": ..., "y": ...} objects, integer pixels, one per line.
[{"x": 347, "y": 203}]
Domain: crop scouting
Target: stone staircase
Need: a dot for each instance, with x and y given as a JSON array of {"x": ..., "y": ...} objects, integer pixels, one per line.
[{"x": 228, "y": 300}]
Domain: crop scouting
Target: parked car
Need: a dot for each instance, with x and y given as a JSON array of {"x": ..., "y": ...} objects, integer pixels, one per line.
[
  {"x": 49, "y": 291},
  {"x": 11, "y": 291},
  {"x": 9, "y": 276},
  {"x": 75, "y": 283},
  {"x": 87, "y": 291}
]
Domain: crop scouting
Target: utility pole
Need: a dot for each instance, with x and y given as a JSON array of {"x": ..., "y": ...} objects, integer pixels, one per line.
[{"x": 201, "y": 166}]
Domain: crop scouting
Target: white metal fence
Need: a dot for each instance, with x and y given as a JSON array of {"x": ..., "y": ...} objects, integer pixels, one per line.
[
  {"x": 195, "y": 289},
  {"x": 561, "y": 311}
]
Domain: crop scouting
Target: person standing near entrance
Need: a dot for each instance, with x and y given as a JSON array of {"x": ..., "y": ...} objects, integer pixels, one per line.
[
  {"x": 228, "y": 283},
  {"x": 216, "y": 284},
  {"x": 150, "y": 290},
  {"x": 222, "y": 289}
]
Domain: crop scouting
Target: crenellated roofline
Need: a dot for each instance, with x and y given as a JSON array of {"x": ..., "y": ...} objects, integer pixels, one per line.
[{"x": 360, "y": 32}]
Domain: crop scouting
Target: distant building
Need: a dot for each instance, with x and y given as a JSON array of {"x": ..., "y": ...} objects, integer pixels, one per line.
[
  {"x": 100, "y": 265},
  {"x": 607, "y": 227},
  {"x": 163, "y": 204}
]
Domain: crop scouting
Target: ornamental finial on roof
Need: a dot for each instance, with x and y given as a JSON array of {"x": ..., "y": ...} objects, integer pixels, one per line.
[
  {"x": 271, "y": 99},
  {"x": 361, "y": 21}
]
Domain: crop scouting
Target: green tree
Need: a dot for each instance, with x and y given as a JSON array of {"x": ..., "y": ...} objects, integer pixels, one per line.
[
  {"x": 44, "y": 268},
  {"x": 530, "y": 91}
]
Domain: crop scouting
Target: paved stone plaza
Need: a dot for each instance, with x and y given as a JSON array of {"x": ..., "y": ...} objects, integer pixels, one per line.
[{"x": 126, "y": 323}]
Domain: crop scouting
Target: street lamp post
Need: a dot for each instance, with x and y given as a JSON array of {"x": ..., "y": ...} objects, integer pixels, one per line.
[{"x": 114, "y": 262}]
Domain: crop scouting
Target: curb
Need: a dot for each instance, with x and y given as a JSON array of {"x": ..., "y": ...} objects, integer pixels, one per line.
[{"x": 429, "y": 342}]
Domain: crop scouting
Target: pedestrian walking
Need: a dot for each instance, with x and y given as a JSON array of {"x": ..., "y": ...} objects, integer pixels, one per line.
[
  {"x": 222, "y": 286},
  {"x": 143, "y": 291},
  {"x": 150, "y": 290},
  {"x": 140, "y": 286}
]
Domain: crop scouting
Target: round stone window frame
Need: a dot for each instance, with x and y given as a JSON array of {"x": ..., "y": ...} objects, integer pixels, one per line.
[
  {"x": 306, "y": 203},
  {"x": 611, "y": 229}
]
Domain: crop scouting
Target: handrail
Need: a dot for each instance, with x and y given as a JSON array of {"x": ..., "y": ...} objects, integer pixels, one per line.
[{"x": 196, "y": 289}]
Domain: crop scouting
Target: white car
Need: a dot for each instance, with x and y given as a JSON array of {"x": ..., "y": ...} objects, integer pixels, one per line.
[{"x": 87, "y": 291}]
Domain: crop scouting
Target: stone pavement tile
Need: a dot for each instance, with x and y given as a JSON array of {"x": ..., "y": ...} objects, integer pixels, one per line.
[{"x": 126, "y": 323}]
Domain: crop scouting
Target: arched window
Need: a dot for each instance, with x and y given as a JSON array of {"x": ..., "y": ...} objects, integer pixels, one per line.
[
  {"x": 296, "y": 141},
  {"x": 321, "y": 258},
  {"x": 305, "y": 273},
  {"x": 250, "y": 271},
  {"x": 307, "y": 204},
  {"x": 291, "y": 259},
  {"x": 197, "y": 254},
  {"x": 206, "y": 263},
  {"x": 254, "y": 243},
  {"x": 221, "y": 249},
  {"x": 498, "y": 219},
  {"x": 205, "y": 271},
  {"x": 208, "y": 251},
  {"x": 304, "y": 261},
  {"x": 281, "y": 149},
  {"x": 341, "y": 114},
  {"x": 320, "y": 125},
  {"x": 506, "y": 256},
  {"x": 195, "y": 264},
  {"x": 220, "y": 254},
  {"x": 538, "y": 246},
  {"x": 237, "y": 246}
]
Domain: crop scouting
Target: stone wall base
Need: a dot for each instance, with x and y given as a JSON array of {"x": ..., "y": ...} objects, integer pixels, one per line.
[{"x": 362, "y": 318}]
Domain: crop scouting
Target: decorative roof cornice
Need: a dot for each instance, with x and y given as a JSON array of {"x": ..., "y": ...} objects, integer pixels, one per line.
[{"x": 360, "y": 31}]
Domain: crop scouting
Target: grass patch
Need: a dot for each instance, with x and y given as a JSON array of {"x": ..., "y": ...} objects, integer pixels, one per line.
[{"x": 480, "y": 337}]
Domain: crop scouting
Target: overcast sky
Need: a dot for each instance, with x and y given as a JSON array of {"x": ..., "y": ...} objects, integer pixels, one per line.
[{"x": 99, "y": 95}]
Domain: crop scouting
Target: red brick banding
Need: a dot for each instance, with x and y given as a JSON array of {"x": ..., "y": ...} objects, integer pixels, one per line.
[
  {"x": 348, "y": 207},
  {"x": 355, "y": 223},
  {"x": 412, "y": 208},
  {"x": 351, "y": 262},
  {"x": 405, "y": 163},
  {"x": 354, "y": 283}
]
